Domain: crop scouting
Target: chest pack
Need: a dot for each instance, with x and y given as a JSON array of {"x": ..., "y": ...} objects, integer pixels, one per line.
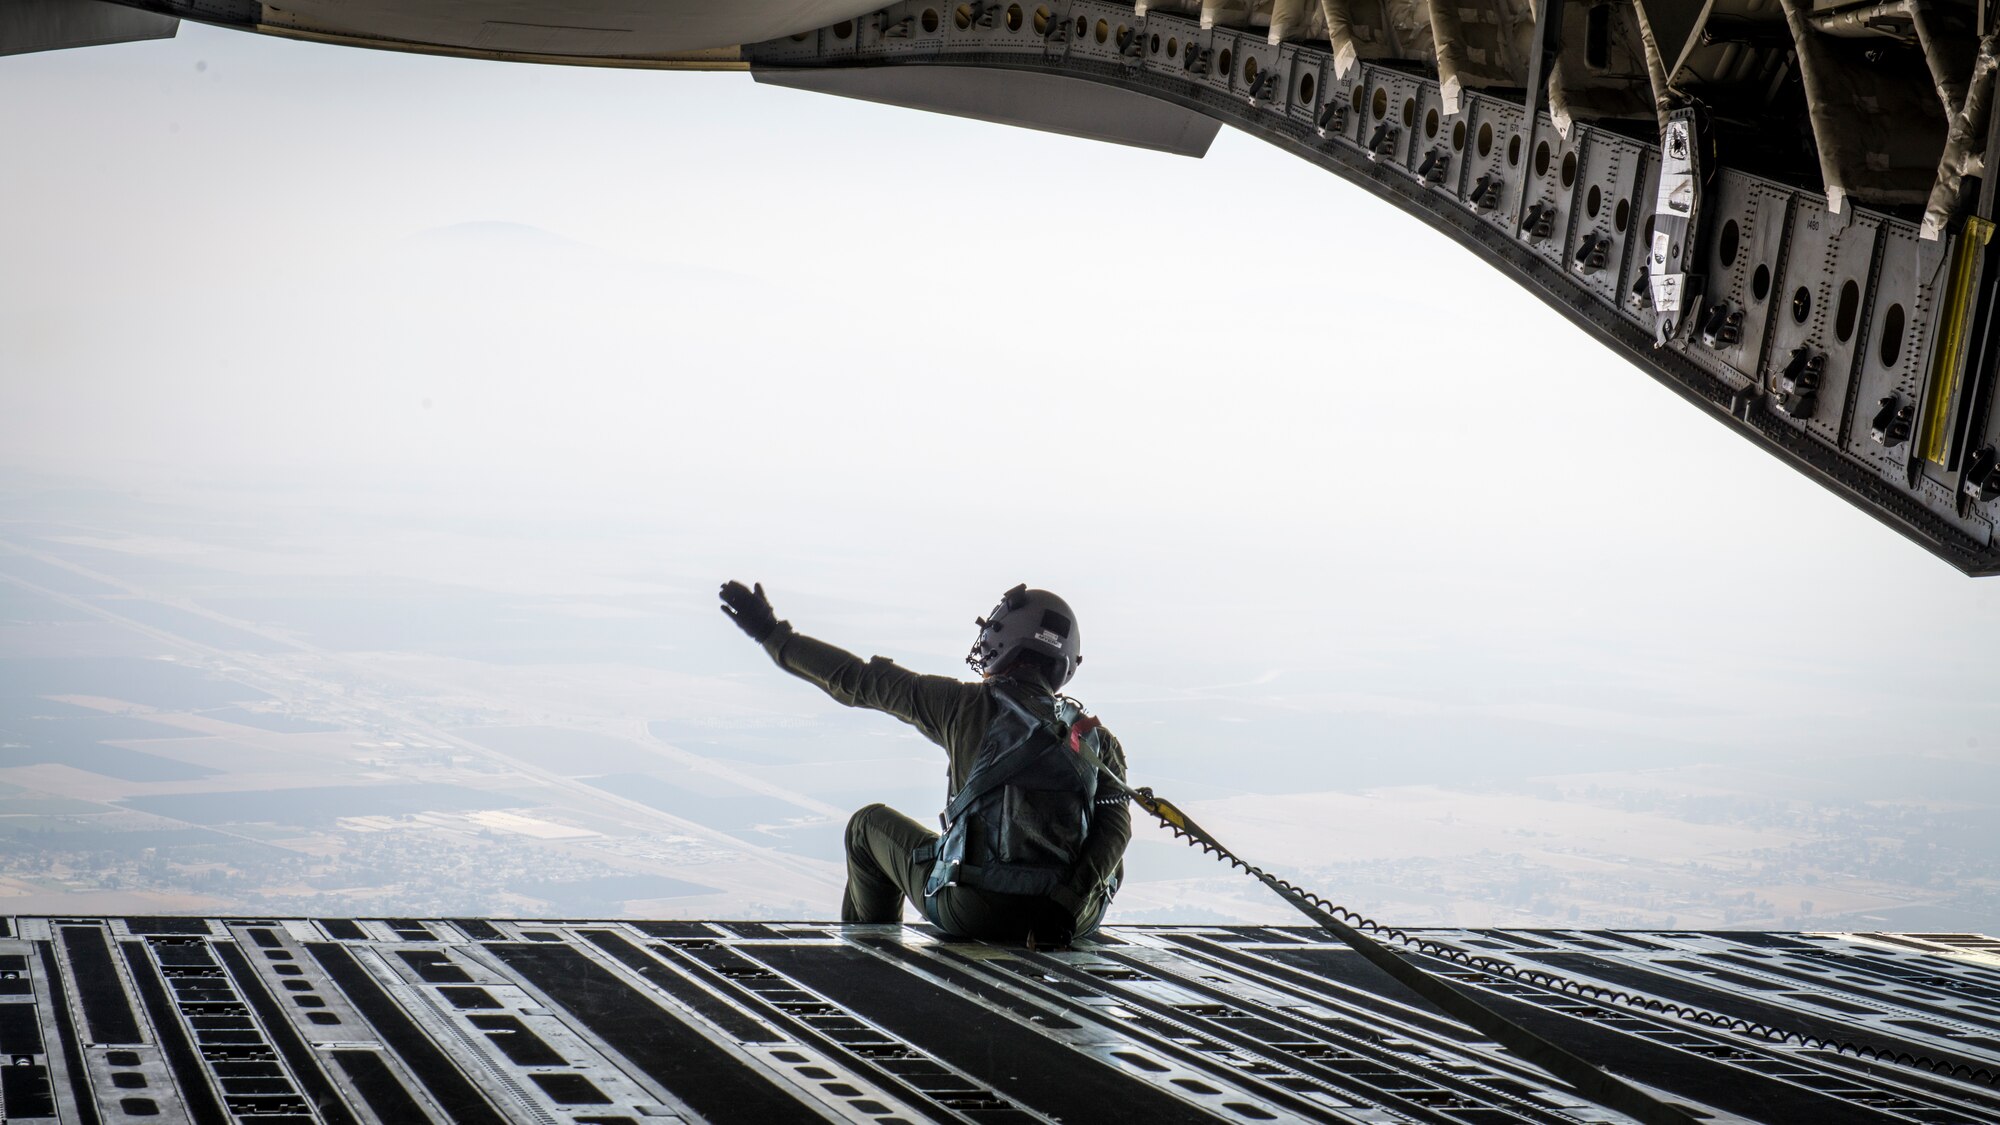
[{"x": 1018, "y": 823}]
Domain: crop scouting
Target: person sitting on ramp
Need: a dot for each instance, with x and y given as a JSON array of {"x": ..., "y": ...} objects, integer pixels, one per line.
[{"x": 1033, "y": 842}]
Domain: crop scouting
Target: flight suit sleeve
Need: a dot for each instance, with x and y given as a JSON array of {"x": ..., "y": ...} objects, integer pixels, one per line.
[
  {"x": 929, "y": 703},
  {"x": 1101, "y": 867}
]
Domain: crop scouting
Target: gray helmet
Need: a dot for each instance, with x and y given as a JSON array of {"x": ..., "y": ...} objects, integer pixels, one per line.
[{"x": 1027, "y": 621}]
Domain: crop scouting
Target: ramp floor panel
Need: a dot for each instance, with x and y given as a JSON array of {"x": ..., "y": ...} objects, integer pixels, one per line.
[{"x": 399, "y": 1020}]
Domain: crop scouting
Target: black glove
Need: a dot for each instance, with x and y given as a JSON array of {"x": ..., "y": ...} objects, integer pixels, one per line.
[{"x": 750, "y": 609}]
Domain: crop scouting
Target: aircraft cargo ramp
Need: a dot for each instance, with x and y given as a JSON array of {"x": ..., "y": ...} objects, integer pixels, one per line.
[{"x": 341, "y": 1021}]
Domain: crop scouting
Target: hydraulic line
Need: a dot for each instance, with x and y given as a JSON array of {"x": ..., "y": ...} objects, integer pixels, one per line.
[{"x": 1368, "y": 938}]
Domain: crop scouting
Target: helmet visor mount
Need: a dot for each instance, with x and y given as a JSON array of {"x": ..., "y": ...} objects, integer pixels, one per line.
[{"x": 1027, "y": 621}]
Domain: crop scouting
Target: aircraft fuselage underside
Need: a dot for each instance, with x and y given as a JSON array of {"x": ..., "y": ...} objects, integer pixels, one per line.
[
  {"x": 1852, "y": 302},
  {"x": 1856, "y": 344}
]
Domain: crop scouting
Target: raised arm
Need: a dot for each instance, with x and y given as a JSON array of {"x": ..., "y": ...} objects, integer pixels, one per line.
[{"x": 932, "y": 704}]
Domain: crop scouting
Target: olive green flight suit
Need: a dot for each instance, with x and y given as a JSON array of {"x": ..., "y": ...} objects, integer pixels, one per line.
[{"x": 881, "y": 869}]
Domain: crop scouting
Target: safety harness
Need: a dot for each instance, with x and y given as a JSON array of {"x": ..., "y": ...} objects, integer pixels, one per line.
[{"x": 1018, "y": 823}]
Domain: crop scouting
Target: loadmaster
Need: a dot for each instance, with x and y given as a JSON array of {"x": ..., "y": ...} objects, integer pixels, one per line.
[{"x": 1033, "y": 841}]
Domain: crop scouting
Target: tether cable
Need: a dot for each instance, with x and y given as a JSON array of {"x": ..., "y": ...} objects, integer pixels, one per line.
[
  {"x": 1587, "y": 1078},
  {"x": 1367, "y": 937}
]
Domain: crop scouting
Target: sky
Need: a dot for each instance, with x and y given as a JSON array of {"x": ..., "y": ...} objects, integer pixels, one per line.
[{"x": 1267, "y": 434}]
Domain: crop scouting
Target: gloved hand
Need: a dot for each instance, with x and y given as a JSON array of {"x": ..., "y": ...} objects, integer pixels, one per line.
[{"x": 750, "y": 609}]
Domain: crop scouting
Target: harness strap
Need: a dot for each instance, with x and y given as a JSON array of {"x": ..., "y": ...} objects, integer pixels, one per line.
[{"x": 998, "y": 770}]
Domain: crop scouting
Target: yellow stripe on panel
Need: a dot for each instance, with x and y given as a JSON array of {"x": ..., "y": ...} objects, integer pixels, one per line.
[{"x": 1949, "y": 361}]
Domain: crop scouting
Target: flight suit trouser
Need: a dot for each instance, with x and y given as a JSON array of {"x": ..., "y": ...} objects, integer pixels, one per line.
[
  {"x": 882, "y": 869},
  {"x": 882, "y": 872}
]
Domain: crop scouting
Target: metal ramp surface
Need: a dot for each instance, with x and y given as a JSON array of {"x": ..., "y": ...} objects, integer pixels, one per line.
[{"x": 344, "y": 1021}]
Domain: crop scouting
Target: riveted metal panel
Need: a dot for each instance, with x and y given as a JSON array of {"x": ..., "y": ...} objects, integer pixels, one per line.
[
  {"x": 1251, "y": 57},
  {"x": 1608, "y": 177},
  {"x": 800, "y": 48},
  {"x": 833, "y": 44},
  {"x": 1402, "y": 95},
  {"x": 1309, "y": 74},
  {"x": 1548, "y": 158},
  {"x": 1222, "y": 67},
  {"x": 1155, "y": 40},
  {"x": 1909, "y": 277},
  {"x": 898, "y": 31},
  {"x": 1431, "y": 134},
  {"x": 1893, "y": 291},
  {"x": 1495, "y": 150},
  {"x": 1093, "y": 32},
  {"x": 1353, "y": 92},
  {"x": 1008, "y": 29},
  {"x": 1181, "y": 37},
  {"x": 1731, "y": 199},
  {"x": 1910, "y": 357},
  {"x": 1747, "y": 218},
  {"x": 1223, "y": 45},
  {"x": 1826, "y": 257},
  {"x": 868, "y": 31},
  {"x": 1194, "y": 42},
  {"x": 1128, "y": 37}
]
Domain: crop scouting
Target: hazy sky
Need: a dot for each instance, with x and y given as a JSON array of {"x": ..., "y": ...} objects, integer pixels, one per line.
[{"x": 1257, "y": 426}]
